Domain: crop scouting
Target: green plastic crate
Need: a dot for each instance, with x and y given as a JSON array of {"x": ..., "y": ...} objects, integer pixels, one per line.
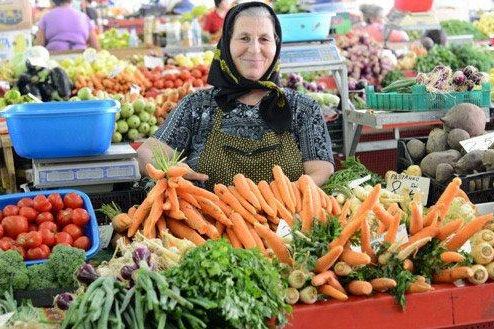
[{"x": 421, "y": 100}]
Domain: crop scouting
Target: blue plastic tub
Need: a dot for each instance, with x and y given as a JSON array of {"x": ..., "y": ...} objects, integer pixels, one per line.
[
  {"x": 61, "y": 129},
  {"x": 305, "y": 26},
  {"x": 91, "y": 230}
]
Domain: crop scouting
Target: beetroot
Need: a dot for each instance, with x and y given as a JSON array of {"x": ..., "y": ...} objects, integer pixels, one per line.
[{"x": 468, "y": 117}]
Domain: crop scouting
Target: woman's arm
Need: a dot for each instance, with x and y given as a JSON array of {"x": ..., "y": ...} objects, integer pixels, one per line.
[
  {"x": 145, "y": 155},
  {"x": 40, "y": 38},
  {"x": 93, "y": 39},
  {"x": 319, "y": 170}
]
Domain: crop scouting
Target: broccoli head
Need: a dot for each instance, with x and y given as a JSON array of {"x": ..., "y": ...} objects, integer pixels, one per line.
[
  {"x": 64, "y": 261},
  {"x": 40, "y": 277},
  {"x": 13, "y": 271}
]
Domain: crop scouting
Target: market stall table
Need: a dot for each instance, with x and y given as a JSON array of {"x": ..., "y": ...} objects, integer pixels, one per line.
[{"x": 445, "y": 307}]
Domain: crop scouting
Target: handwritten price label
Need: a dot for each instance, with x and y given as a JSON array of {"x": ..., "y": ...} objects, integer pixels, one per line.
[
  {"x": 359, "y": 181},
  {"x": 151, "y": 62},
  {"x": 397, "y": 183},
  {"x": 481, "y": 143},
  {"x": 283, "y": 229}
]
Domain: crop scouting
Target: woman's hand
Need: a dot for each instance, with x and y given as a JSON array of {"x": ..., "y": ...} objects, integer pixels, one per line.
[{"x": 192, "y": 175}]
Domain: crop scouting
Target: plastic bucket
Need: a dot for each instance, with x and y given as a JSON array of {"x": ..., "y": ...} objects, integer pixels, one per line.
[
  {"x": 305, "y": 26},
  {"x": 413, "y": 5}
]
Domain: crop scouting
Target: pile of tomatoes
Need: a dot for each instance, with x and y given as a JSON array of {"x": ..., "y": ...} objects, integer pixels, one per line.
[
  {"x": 35, "y": 225},
  {"x": 170, "y": 77}
]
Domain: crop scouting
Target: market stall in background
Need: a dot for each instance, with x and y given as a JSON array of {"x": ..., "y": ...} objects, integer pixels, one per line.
[{"x": 401, "y": 234}]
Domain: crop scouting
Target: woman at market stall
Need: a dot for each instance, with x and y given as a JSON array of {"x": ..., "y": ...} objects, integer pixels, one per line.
[
  {"x": 65, "y": 28},
  {"x": 213, "y": 22},
  {"x": 374, "y": 18},
  {"x": 246, "y": 123}
]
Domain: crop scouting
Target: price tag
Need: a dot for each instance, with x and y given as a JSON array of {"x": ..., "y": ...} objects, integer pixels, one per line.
[
  {"x": 116, "y": 71},
  {"x": 359, "y": 181},
  {"x": 34, "y": 98},
  {"x": 90, "y": 55},
  {"x": 397, "y": 183},
  {"x": 402, "y": 234},
  {"x": 356, "y": 248},
  {"x": 283, "y": 229},
  {"x": 105, "y": 234},
  {"x": 4, "y": 318},
  {"x": 151, "y": 62},
  {"x": 467, "y": 247},
  {"x": 134, "y": 89},
  {"x": 480, "y": 143}
]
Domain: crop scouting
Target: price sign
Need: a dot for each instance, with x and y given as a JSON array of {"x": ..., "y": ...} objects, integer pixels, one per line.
[
  {"x": 151, "y": 62},
  {"x": 105, "y": 234},
  {"x": 116, "y": 71},
  {"x": 4, "y": 318},
  {"x": 480, "y": 143},
  {"x": 134, "y": 89},
  {"x": 283, "y": 229},
  {"x": 359, "y": 181},
  {"x": 397, "y": 183}
]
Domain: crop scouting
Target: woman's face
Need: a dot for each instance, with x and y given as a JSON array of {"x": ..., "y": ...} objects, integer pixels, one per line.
[{"x": 253, "y": 46}]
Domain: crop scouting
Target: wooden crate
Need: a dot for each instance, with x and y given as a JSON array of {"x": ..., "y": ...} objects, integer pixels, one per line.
[{"x": 7, "y": 169}]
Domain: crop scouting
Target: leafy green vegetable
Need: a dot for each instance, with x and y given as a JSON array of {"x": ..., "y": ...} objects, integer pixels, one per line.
[
  {"x": 286, "y": 6},
  {"x": 460, "y": 27},
  {"x": 351, "y": 169},
  {"x": 473, "y": 55},
  {"x": 64, "y": 261},
  {"x": 232, "y": 288},
  {"x": 392, "y": 76},
  {"x": 438, "y": 55},
  {"x": 308, "y": 248}
]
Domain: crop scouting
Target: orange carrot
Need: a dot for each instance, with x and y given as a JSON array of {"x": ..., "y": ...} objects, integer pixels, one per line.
[
  {"x": 365, "y": 240},
  {"x": 322, "y": 196},
  {"x": 139, "y": 216},
  {"x": 354, "y": 258},
  {"x": 188, "y": 187},
  {"x": 177, "y": 171},
  {"x": 154, "y": 216},
  {"x": 283, "y": 188},
  {"x": 284, "y": 213},
  {"x": 452, "y": 274},
  {"x": 173, "y": 182},
  {"x": 316, "y": 208},
  {"x": 180, "y": 230},
  {"x": 383, "y": 284},
  {"x": 330, "y": 291},
  {"x": 153, "y": 172},
  {"x": 224, "y": 193},
  {"x": 383, "y": 215},
  {"x": 225, "y": 208},
  {"x": 189, "y": 198},
  {"x": 193, "y": 218},
  {"x": 431, "y": 216},
  {"x": 418, "y": 287},
  {"x": 242, "y": 231},
  {"x": 360, "y": 288},
  {"x": 250, "y": 208},
  {"x": 416, "y": 220},
  {"x": 131, "y": 211},
  {"x": 321, "y": 278},
  {"x": 175, "y": 211},
  {"x": 469, "y": 229},
  {"x": 275, "y": 243},
  {"x": 267, "y": 194},
  {"x": 298, "y": 197},
  {"x": 336, "y": 209},
  {"x": 332, "y": 280},
  {"x": 292, "y": 193},
  {"x": 261, "y": 218},
  {"x": 359, "y": 216},
  {"x": 307, "y": 213},
  {"x": 426, "y": 232},
  {"x": 393, "y": 209},
  {"x": 264, "y": 205},
  {"x": 408, "y": 265},
  {"x": 161, "y": 227},
  {"x": 446, "y": 230},
  {"x": 447, "y": 197},
  {"x": 234, "y": 241},
  {"x": 325, "y": 262},
  {"x": 276, "y": 192},
  {"x": 210, "y": 208},
  {"x": 452, "y": 257},
  {"x": 243, "y": 188},
  {"x": 344, "y": 213},
  {"x": 463, "y": 195},
  {"x": 220, "y": 227},
  {"x": 390, "y": 236},
  {"x": 257, "y": 239}
]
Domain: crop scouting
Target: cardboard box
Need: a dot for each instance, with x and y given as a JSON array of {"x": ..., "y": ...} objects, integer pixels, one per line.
[
  {"x": 15, "y": 15},
  {"x": 12, "y": 42}
]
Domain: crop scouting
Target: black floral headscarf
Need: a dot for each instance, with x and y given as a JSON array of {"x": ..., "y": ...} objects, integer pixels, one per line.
[{"x": 274, "y": 108}]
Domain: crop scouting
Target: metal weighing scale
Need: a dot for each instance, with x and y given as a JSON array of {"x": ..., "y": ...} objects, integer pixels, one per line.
[
  {"x": 310, "y": 56},
  {"x": 94, "y": 173}
]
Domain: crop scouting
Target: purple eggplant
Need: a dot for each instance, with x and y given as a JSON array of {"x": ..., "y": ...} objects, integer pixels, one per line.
[
  {"x": 63, "y": 300},
  {"x": 87, "y": 274}
]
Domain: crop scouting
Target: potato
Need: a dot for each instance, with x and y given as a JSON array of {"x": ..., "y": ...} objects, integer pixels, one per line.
[{"x": 432, "y": 160}]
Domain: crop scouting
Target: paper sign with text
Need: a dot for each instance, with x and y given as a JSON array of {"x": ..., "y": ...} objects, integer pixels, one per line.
[
  {"x": 480, "y": 143},
  {"x": 151, "y": 62},
  {"x": 283, "y": 229},
  {"x": 358, "y": 182},
  {"x": 397, "y": 183}
]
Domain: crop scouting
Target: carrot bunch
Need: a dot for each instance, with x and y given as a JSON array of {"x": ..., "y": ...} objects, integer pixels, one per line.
[{"x": 120, "y": 83}]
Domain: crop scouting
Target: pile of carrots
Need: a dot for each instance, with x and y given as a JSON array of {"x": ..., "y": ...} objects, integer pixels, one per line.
[
  {"x": 121, "y": 83},
  {"x": 166, "y": 100}
]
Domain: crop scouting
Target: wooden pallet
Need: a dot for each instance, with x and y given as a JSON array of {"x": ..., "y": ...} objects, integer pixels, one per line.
[{"x": 7, "y": 168}]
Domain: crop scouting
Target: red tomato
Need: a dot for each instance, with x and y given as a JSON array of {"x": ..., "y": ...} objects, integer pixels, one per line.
[
  {"x": 64, "y": 217},
  {"x": 29, "y": 213},
  {"x": 48, "y": 237},
  {"x": 198, "y": 83},
  {"x": 36, "y": 253},
  {"x": 74, "y": 231},
  {"x": 178, "y": 83},
  {"x": 10, "y": 210},
  {"x": 46, "y": 249},
  {"x": 73, "y": 200},
  {"x": 56, "y": 201},
  {"x": 44, "y": 217},
  {"x": 41, "y": 203},
  {"x": 14, "y": 225},
  {"x": 82, "y": 243},
  {"x": 63, "y": 238},
  {"x": 168, "y": 84},
  {"x": 51, "y": 226},
  {"x": 196, "y": 73},
  {"x": 30, "y": 240},
  {"x": 1, "y": 216},
  {"x": 6, "y": 243},
  {"x": 25, "y": 202},
  {"x": 80, "y": 217},
  {"x": 1, "y": 231},
  {"x": 32, "y": 227},
  {"x": 185, "y": 75},
  {"x": 19, "y": 249}
]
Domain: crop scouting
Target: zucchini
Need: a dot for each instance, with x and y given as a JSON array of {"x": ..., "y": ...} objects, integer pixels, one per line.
[{"x": 399, "y": 85}]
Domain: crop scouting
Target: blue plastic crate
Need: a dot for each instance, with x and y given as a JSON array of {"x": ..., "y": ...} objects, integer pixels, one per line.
[
  {"x": 91, "y": 229},
  {"x": 61, "y": 129},
  {"x": 305, "y": 26}
]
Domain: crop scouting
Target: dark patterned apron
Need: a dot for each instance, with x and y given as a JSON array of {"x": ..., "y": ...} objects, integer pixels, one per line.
[{"x": 226, "y": 155}]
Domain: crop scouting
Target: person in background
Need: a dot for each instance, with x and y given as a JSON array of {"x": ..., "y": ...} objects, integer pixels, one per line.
[
  {"x": 89, "y": 10},
  {"x": 213, "y": 22},
  {"x": 65, "y": 28},
  {"x": 374, "y": 18},
  {"x": 247, "y": 123}
]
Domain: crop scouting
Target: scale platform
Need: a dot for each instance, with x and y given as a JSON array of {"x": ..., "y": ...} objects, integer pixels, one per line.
[
  {"x": 118, "y": 164},
  {"x": 309, "y": 54}
]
